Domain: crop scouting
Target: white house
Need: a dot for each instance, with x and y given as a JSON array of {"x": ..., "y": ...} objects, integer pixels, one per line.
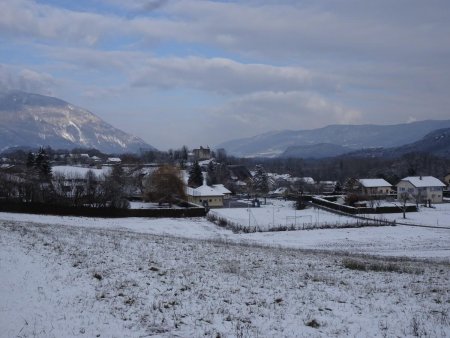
[
  {"x": 213, "y": 196},
  {"x": 374, "y": 186},
  {"x": 421, "y": 189},
  {"x": 113, "y": 160}
]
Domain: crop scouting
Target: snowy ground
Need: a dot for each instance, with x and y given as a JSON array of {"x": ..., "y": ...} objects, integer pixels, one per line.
[
  {"x": 95, "y": 280},
  {"x": 439, "y": 215}
]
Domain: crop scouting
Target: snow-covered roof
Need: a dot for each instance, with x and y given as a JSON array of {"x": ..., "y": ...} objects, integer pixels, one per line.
[
  {"x": 221, "y": 188},
  {"x": 308, "y": 180},
  {"x": 204, "y": 191},
  {"x": 205, "y": 162},
  {"x": 114, "y": 159},
  {"x": 71, "y": 171},
  {"x": 328, "y": 182},
  {"x": 278, "y": 191},
  {"x": 424, "y": 181},
  {"x": 374, "y": 182}
]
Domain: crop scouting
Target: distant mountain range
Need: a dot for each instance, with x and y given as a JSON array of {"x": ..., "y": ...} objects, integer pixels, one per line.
[
  {"x": 435, "y": 143},
  {"x": 320, "y": 150},
  {"x": 332, "y": 140},
  {"x": 32, "y": 120}
]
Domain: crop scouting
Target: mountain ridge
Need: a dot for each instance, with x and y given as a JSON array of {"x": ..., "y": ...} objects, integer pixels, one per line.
[
  {"x": 436, "y": 143},
  {"x": 28, "y": 119},
  {"x": 355, "y": 137}
]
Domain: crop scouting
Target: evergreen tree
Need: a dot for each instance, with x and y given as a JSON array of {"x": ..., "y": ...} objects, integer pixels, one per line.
[
  {"x": 195, "y": 176},
  {"x": 42, "y": 164},
  {"x": 114, "y": 189},
  {"x": 30, "y": 160},
  {"x": 211, "y": 177},
  {"x": 260, "y": 181}
]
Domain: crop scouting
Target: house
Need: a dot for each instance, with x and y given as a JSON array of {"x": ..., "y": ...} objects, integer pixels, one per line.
[
  {"x": 447, "y": 180},
  {"x": 421, "y": 189},
  {"x": 326, "y": 187},
  {"x": 374, "y": 186},
  {"x": 278, "y": 192},
  {"x": 239, "y": 173},
  {"x": 113, "y": 160},
  {"x": 201, "y": 154},
  {"x": 239, "y": 176},
  {"x": 211, "y": 196},
  {"x": 221, "y": 188}
]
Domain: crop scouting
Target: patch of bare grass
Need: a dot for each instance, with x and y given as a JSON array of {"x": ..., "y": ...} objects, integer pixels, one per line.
[{"x": 379, "y": 266}]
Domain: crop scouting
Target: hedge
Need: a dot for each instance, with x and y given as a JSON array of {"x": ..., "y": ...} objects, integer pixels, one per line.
[{"x": 58, "y": 210}]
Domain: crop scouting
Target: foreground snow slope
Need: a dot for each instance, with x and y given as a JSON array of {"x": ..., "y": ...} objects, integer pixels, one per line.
[
  {"x": 66, "y": 281},
  {"x": 387, "y": 241}
]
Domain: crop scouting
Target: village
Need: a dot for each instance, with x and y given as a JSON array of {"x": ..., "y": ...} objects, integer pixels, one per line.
[{"x": 231, "y": 194}]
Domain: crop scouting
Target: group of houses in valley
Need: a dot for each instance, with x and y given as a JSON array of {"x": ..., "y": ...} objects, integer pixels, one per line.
[
  {"x": 72, "y": 172},
  {"x": 420, "y": 189}
]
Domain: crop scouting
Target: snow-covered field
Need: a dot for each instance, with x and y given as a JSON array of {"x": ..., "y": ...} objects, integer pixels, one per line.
[
  {"x": 279, "y": 213},
  {"x": 93, "y": 278}
]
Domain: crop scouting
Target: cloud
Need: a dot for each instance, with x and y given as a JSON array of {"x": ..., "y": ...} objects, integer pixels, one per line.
[
  {"x": 219, "y": 75},
  {"x": 283, "y": 110},
  {"x": 138, "y": 5},
  {"x": 26, "y": 79},
  {"x": 227, "y": 76},
  {"x": 27, "y": 19},
  {"x": 293, "y": 32},
  {"x": 260, "y": 112}
]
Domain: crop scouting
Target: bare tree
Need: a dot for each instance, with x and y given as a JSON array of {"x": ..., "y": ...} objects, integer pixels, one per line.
[
  {"x": 404, "y": 197},
  {"x": 165, "y": 185}
]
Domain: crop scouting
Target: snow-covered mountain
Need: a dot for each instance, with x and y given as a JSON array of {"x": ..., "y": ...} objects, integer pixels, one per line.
[
  {"x": 352, "y": 137},
  {"x": 32, "y": 120}
]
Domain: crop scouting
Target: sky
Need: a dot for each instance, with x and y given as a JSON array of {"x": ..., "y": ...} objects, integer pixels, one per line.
[{"x": 198, "y": 72}]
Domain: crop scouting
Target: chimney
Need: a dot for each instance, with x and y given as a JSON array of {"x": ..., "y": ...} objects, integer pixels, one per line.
[{"x": 420, "y": 178}]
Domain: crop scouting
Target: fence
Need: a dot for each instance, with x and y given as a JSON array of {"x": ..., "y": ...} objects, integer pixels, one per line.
[{"x": 240, "y": 228}]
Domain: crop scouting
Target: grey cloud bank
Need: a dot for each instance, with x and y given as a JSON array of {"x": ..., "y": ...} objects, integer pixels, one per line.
[{"x": 219, "y": 70}]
